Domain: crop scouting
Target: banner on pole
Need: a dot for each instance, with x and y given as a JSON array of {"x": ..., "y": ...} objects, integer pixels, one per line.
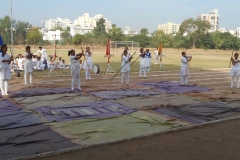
[{"x": 1, "y": 41}]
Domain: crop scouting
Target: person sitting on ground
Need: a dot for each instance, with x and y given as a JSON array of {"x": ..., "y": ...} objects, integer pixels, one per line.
[
  {"x": 39, "y": 64},
  {"x": 45, "y": 64}
]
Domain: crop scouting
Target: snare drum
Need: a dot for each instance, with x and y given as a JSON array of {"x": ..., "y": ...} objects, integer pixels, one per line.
[{"x": 96, "y": 69}]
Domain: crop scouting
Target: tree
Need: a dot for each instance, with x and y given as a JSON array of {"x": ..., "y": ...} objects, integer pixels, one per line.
[
  {"x": 66, "y": 37},
  {"x": 161, "y": 37},
  {"x": 180, "y": 41},
  {"x": 57, "y": 28},
  {"x": 194, "y": 28},
  {"x": 78, "y": 39},
  {"x": 5, "y": 29},
  {"x": 144, "y": 41},
  {"x": 116, "y": 33},
  {"x": 21, "y": 31},
  {"x": 34, "y": 36},
  {"x": 99, "y": 31},
  {"x": 144, "y": 31}
]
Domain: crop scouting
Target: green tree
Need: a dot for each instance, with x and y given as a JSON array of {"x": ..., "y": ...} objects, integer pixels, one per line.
[
  {"x": 99, "y": 32},
  {"x": 180, "y": 41},
  {"x": 78, "y": 39},
  {"x": 21, "y": 31},
  {"x": 144, "y": 41},
  {"x": 66, "y": 37},
  {"x": 194, "y": 29},
  {"x": 116, "y": 33},
  {"x": 5, "y": 29},
  {"x": 34, "y": 36},
  {"x": 144, "y": 31},
  {"x": 161, "y": 37},
  {"x": 205, "y": 42}
]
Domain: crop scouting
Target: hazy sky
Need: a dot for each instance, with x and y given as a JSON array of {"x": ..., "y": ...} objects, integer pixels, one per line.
[{"x": 134, "y": 13}]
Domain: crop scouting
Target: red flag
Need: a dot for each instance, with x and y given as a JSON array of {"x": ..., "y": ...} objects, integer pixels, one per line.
[{"x": 108, "y": 50}]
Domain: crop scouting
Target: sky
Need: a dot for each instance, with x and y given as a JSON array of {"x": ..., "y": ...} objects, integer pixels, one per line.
[{"x": 136, "y": 14}]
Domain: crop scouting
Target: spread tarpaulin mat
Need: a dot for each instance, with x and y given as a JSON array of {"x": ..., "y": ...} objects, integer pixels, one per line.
[
  {"x": 155, "y": 101},
  {"x": 54, "y": 100},
  {"x": 199, "y": 113},
  {"x": 174, "y": 87},
  {"x": 13, "y": 117},
  {"x": 123, "y": 93},
  {"x": 6, "y": 106},
  {"x": 216, "y": 95},
  {"x": 83, "y": 110},
  {"x": 95, "y": 131},
  {"x": 27, "y": 141},
  {"x": 40, "y": 91}
]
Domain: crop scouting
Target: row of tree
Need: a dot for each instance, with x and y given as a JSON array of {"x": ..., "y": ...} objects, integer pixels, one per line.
[{"x": 192, "y": 34}]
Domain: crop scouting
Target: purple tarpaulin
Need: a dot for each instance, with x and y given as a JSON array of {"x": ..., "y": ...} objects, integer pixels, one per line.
[
  {"x": 6, "y": 106},
  {"x": 97, "y": 109},
  {"x": 199, "y": 113},
  {"x": 174, "y": 87},
  {"x": 40, "y": 92},
  {"x": 123, "y": 93}
]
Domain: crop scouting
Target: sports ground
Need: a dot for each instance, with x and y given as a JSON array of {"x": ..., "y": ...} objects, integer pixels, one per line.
[{"x": 152, "y": 117}]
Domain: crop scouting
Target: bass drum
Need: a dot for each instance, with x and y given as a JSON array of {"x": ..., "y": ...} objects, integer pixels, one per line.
[{"x": 96, "y": 69}]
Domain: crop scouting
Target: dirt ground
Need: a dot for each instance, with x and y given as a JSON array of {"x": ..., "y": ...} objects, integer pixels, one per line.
[
  {"x": 213, "y": 142},
  {"x": 217, "y": 141}
]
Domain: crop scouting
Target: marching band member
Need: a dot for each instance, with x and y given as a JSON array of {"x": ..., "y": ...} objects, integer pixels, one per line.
[
  {"x": 5, "y": 73},
  {"x": 184, "y": 69},
  {"x": 125, "y": 66},
  {"x": 75, "y": 68},
  {"x": 235, "y": 71},
  {"x": 156, "y": 56},
  {"x": 19, "y": 62},
  {"x": 43, "y": 53},
  {"x": 28, "y": 65},
  {"x": 148, "y": 60},
  {"x": 142, "y": 63},
  {"x": 39, "y": 64},
  {"x": 88, "y": 64}
]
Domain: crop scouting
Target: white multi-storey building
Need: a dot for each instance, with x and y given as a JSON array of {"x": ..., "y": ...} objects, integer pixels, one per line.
[
  {"x": 169, "y": 27},
  {"x": 238, "y": 32},
  {"x": 213, "y": 18},
  {"x": 51, "y": 35},
  {"x": 59, "y": 22},
  {"x": 87, "y": 21}
]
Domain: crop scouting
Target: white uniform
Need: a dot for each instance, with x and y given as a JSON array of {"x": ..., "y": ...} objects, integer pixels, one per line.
[
  {"x": 184, "y": 71},
  {"x": 20, "y": 63},
  {"x": 5, "y": 73},
  {"x": 125, "y": 68},
  {"x": 156, "y": 57},
  {"x": 148, "y": 61},
  {"x": 142, "y": 66},
  {"x": 235, "y": 72},
  {"x": 88, "y": 65},
  {"x": 28, "y": 67},
  {"x": 75, "y": 71},
  {"x": 39, "y": 65},
  {"x": 43, "y": 53}
]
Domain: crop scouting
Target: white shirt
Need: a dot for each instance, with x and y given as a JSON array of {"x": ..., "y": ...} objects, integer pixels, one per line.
[
  {"x": 4, "y": 64},
  {"x": 88, "y": 56},
  {"x": 74, "y": 63},
  {"x": 43, "y": 53}
]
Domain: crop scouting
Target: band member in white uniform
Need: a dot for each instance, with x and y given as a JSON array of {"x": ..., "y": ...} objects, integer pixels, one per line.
[
  {"x": 148, "y": 60},
  {"x": 235, "y": 71},
  {"x": 156, "y": 56},
  {"x": 184, "y": 69},
  {"x": 19, "y": 62},
  {"x": 75, "y": 68},
  {"x": 88, "y": 63},
  {"x": 128, "y": 52},
  {"x": 143, "y": 67},
  {"x": 125, "y": 66},
  {"x": 39, "y": 64},
  {"x": 43, "y": 53},
  {"x": 5, "y": 73},
  {"x": 28, "y": 65}
]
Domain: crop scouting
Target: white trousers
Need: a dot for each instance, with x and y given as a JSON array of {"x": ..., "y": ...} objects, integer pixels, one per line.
[
  {"x": 87, "y": 74},
  {"x": 30, "y": 77},
  {"x": 41, "y": 67},
  {"x": 127, "y": 77},
  {"x": 4, "y": 87},
  {"x": 76, "y": 76},
  {"x": 142, "y": 70},
  {"x": 184, "y": 79},
  {"x": 237, "y": 81},
  {"x": 156, "y": 59}
]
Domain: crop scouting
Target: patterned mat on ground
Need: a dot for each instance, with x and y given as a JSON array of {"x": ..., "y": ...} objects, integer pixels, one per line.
[
  {"x": 97, "y": 109},
  {"x": 174, "y": 87},
  {"x": 95, "y": 131},
  {"x": 155, "y": 101},
  {"x": 202, "y": 112},
  {"x": 40, "y": 92},
  {"x": 123, "y": 93}
]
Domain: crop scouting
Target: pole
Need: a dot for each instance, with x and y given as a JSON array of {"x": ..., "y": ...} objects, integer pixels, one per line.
[
  {"x": 135, "y": 61},
  {"x": 121, "y": 67},
  {"x": 11, "y": 27}
]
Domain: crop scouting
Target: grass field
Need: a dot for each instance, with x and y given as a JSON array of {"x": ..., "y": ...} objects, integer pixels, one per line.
[{"x": 201, "y": 59}]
